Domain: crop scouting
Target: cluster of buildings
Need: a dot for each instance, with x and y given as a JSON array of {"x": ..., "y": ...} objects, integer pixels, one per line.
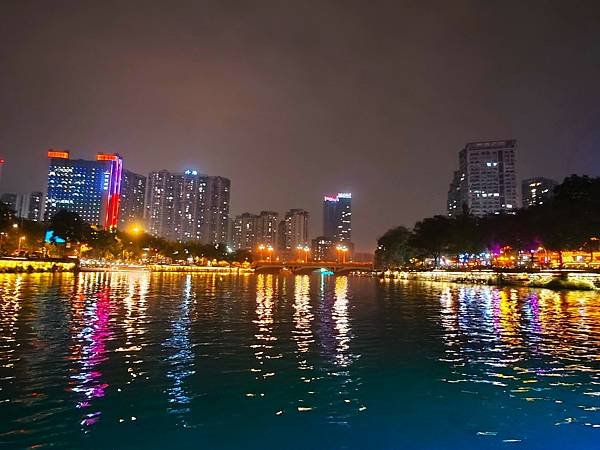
[
  {"x": 181, "y": 206},
  {"x": 486, "y": 181},
  {"x": 287, "y": 237}
]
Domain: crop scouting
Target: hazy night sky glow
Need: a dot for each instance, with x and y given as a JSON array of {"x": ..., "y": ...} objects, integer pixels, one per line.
[{"x": 292, "y": 100}]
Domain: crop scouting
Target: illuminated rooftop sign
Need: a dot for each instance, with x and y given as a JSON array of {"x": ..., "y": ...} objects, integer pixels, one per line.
[
  {"x": 62, "y": 154},
  {"x": 336, "y": 197},
  {"x": 107, "y": 157}
]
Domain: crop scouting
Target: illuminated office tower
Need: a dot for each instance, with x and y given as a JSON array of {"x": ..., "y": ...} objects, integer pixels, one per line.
[
  {"x": 337, "y": 217},
  {"x": 485, "y": 182},
  {"x": 92, "y": 189}
]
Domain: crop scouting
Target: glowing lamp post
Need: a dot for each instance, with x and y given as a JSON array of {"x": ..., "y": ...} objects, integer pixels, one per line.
[
  {"x": 305, "y": 249},
  {"x": 261, "y": 249},
  {"x": 21, "y": 239},
  {"x": 342, "y": 249},
  {"x": 270, "y": 252}
]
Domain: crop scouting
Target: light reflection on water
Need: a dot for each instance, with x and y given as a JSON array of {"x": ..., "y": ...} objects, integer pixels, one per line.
[
  {"x": 537, "y": 346},
  {"x": 175, "y": 360}
]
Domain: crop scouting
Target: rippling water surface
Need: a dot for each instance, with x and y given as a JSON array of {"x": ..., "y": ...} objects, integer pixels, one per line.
[{"x": 130, "y": 360}]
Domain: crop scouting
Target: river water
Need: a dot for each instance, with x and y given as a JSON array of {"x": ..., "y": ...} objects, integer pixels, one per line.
[{"x": 138, "y": 360}]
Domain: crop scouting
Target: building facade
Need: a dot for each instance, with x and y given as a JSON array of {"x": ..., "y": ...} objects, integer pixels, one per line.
[
  {"x": 337, "y": 217},
  {"x": 159, "y": 205},
  {"x": 215, "y": 210},
  {"x": 188, "y": 206},
  {"x": 295, "y": 230},
  {"x": 323, "y": 248},
  {"x": 485, "y": 182},
  {"x": 266, "y": 228},
  {"x": 92, "y": 189},
  {"x": 133, "y": 199},
  {"x": 537, "y": 191},
  {"x": 26, "y": 206},
  {"x": 244, "y": 232}
]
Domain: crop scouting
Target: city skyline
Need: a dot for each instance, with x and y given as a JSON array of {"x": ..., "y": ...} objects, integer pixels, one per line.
[{"x": 378, "y": 106}]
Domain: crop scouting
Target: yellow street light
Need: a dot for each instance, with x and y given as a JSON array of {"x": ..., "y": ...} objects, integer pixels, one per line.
[
  {"x": 21, "y": 239},
  {"x": 342, "y": 249}
]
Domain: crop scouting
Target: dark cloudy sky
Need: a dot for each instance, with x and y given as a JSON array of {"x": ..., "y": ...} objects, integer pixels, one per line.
[{"x": 293, "y": 99}]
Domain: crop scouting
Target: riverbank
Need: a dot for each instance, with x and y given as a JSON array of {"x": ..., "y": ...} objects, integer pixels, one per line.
[
  {"x": 23, "y": 265},
  {"x": 555, "y": 279}
]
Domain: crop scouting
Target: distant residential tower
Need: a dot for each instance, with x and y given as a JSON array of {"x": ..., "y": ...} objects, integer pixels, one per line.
[{"x": 485, "y": 182}]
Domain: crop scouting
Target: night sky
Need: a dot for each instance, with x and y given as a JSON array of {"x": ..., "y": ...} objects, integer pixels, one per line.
[{"x": 292, "y": 100}]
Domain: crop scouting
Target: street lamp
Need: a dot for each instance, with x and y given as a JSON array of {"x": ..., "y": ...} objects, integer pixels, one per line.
[
  {"x": 342, "y": 249},
  {"x": 21, "y": 239},
  {"x": 270, "y": 252},
  {"x": 261, "y": 248},
  {"x": 306, "y": 250}
]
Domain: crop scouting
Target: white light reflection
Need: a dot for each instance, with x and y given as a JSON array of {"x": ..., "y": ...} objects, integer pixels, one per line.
[
  {"x": 539, "y": 345},
  {"x": 264, "y": 320},
  {"x": 135, "y": 322},
  {"x": 10, "y": 306},
  {"x": 181, "y": 358},
  {"x": 302, "y": 333}
]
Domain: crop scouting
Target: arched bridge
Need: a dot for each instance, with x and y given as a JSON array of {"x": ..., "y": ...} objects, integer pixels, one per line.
[{"x": 311, "y": 266}]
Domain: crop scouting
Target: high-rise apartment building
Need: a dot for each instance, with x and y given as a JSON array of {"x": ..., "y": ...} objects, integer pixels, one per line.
[
  {"x": 91, "y": 189},
  {"x": 133, "y": 198},
  {"x": 244, "y": 231},
  {"x": 485, "y": 182},
  {"x": 215, "y": 211},
  {"x": 266, "y": 228},
  {"x": 188, "y": 206},
  {"x": 337, "y": 217},
  {"x": 537, "y": 191},
  {"x": 160, "y": 199},
  {"x": 295, "y": 230},
  {"x": 26, "y": 206}
]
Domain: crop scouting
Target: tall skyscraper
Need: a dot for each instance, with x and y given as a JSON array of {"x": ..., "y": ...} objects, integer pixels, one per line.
[
  {"x": 337, "y": 217},
  {"x": 295, "y": 230},
  {"x": 188, "y": 206},
  {"x": 215, "y": 211},
  {"x": 91, "y": 189},
  {"x": 485, "y": 182},
  {"x": 133, "y": 193},
  {"x": 537, "y": 191},
  {"x": 266, "y": 228},
  {"x": 160, "y": 195}
]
